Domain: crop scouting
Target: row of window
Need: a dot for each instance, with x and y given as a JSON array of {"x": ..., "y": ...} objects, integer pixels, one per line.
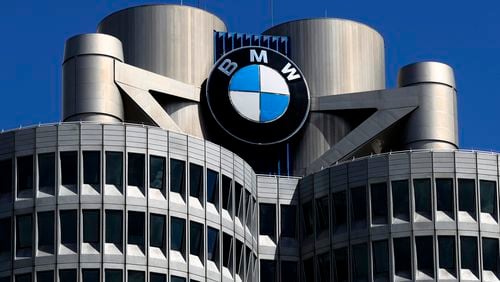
[
  {"x": 113, "y": 234},
  {"x": 350, "y": 209},
  {"x": 93, "y": 275}
]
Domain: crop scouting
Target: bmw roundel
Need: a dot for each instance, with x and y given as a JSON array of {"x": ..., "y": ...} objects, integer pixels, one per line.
[{"x": 258, "y": 95}]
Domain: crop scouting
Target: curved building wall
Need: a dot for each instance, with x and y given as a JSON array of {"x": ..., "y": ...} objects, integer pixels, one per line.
[
  {"x": 94, "y": 200},
  {"x": 336, "y": 56}
]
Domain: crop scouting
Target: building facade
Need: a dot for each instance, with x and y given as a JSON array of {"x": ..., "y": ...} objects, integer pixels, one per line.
[{"x": 190, "y": 153}]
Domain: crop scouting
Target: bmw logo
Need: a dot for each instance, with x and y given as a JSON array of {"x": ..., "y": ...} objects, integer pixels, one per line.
[{"x": 258, "y": 95}]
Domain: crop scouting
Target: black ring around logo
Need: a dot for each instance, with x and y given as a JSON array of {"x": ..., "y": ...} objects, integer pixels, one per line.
[{"x": 224, "y": 112}]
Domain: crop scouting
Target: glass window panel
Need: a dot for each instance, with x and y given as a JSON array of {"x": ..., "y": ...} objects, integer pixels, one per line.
[
  {"x": 423, "y": 200},
  {"x": 212, "y": 244},
  {"x": 360, "y": 262},
  {"x": 289, "y": 271},
  {"x": 227, "y": 250},
  {"x": 91, "y": 167},
  {"x": 400, "y": 200},
  {"x": 69, "y": 226},
  {"x": 136, "y": 169},
  {"x": 341, "y": 265},
  {"x": 5, "y": 279},
  {"x": 468, "y": 253},
  {"x": 324, "y": 267},
  {"x": 113, "y": 275},
  {"x": 90, "y": 275},
  {"x": 467, "y": 196},
  {"x": 91, "y": 226},
  {"x": 158, "y": 231},
  {"x": 488, "y": 197},
  {"x": 177, "y": 176},
  {"x": 238, "y": 200},
  {"x": 135, "y": 276},
  {"x": 157, "y": 172},
  {"x": 157, "y": 277},
  {"x": 67, "y": 275},
  {"x": 321, "y": 215},
  {"x": 288, "y": 221},
  {"x": 309, "y": 270},
  {"x": 47, "y": 172},
  {"x": 23, "y": 234},
  {"x": 5, "y": 177},
  {"x": 358, "y": 208},
  {"x": 136, "y": 228},
  {"x": 339, "y": 212},
  {"x": 177, "y": 235},
  {"x": 114, "y": 169},
  {"x": 212, "y": 186},
  {"x": 447, "y": 255},
  {"x": 425, "y": 254},
  {"x": 248, "y": 204},
  {"x": 444, "y": 193},
  {"x": 381, "y": 260},
  {"x": 307, "y": 213},
  {"x": 226, "y": 193},
  {"x": 490, "y": 254},
  {"x": 268, "y": 220},
  {"x": 46, "y": 231},
  {"x": 114, "y": 227},
  {"x": 196, "y": 239},
  {"x": 5, "y": 237},
  {"x": 379, "y": 203},
  {"x": 402, "y": 257},
  {"x": 69, "y": 168},
  {"x": 26, "y": 277},
  {"x": 174, "y": 278},
  {"x": 239, "y": 258},
  {"x": 267, "y": 270},
  {"x": 196, "y": 181},
  {"x": 25, "y": 173},
  {"x": 45, "y": 276}
]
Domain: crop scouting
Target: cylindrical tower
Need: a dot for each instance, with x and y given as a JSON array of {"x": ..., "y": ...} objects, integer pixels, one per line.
[
  {"x": 89, "y": 92},
  {"x": 336, "y": 56},
  {"x": 171, "y": 40}
]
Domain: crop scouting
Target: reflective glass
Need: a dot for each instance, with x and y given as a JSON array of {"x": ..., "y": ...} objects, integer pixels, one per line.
[
  {"x": 309, "y": 270},
  {"x": 90, "y": 275},
  {"x": 69, "y": 226},
  {"x": 174, "y": 278},
  {"x": 444, "y": 193},
  {"x": 196, "y": 181},
  {"x": 289, "y": 271},
  {"x": 238, "y": 200},
  {"x": 91, "y": 167},
  {"x": 425, "y": 254},
  {"x": 226, "y": 193},
  {"x": 45, "y": 276},
  {"x": 402, "y": 257},
  {"x": 158, "y": 231},
  {"x": 24, "y": 232},
  {"x": 288, "y": 221},
  {"x": 25, "y": 173},
  {"x": 67, "y": 275},
  {"x": 135, "y": 276},
  {"x": 400, "y": 200},
  {"x": 358, "y": 208},
  {"x": 136, "y": 228},
  {"x": 488, "y": 197},
  {"x": 47, "y": 172},
  {"x": 308, "y": 218},
  {"x": 239, "y": 258},
  {"x": 360, "y": 262},
  {"x": 423, "y": 200},
  {"x": 114, "y": 227},
  {"x": 113, "y": 275},
  {"x": 177, "y": 235},
  {"x": 267, "y": 270},
  {"x": 212, "y": 186},
  {"x": 136, "y": 167},
  {"x": 341, "y": 265},
  {"x": 379, "y": 203},
  {"x": 69, "y": 168},
  {"x": 157, "y": 172},
  {"x": 268, "y": 220},
  {"x": 177, "y": 176},
  {"x": 5, "y": 177},
  {"x": 157, "y": 277},
  {"x": 5, "y": 237},
  {"x": 26, "y": 277},
  {"x": 321, "y": 215},
  {"x": 227, "y": 250},
  {"x": 467, "y": 196},
  {"x": 114, "y": 169},
  {"x": 196, "y": 239},
  {"x": 46, "y": 231},
  {"x": 212, "y": 244},
  {"x": 381, "y": 260},
  {"x": 339, "y": 212},
  {"x": 91, "y": 226},
  {"x": 490, "y": 254},
  {"x": 323, "y": 267},
  {"x": 447, "y": 256},
  {"x": 468, "y": 254}
]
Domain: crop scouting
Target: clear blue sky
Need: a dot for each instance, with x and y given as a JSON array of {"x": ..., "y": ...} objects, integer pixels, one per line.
[{"x": 463, "y": 34}]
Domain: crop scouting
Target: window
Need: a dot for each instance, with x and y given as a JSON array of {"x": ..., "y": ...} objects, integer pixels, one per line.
[
  {"x": 24, "y": 230},
  {"x": 136, "y": 228},
  {"x": 467, "y": 196},
  {"x": 321, "y": 215},
  {"x": 323, "y": 271},
  {"x": 447, "y": 255},
  {"x": 113, "y": 275},
  {"x": 46, "y": 231},
  {"x": 157, "y": 172},
  {"x": 402, "y": 257},
  {"x": 425, "y": 254},
  {"x": 212, "y": 244},
  {"x": 288, "y": 221},
  {"x": 490, "y": 255},
  {"x": 92, "y": 168},
  {"x": 226, "y": 194},
  {"x": 177, "y": 176},
  {"x": 339, "y": 212},
  {"x": 267, "y": 270},
  {"x": 196, "y": 181},
  {"x": 381, "y": 260},
  {"x": 90, "y": 275},
  {"x": 157, "y": 277},
  {"x": 309, "y": 270},
  {"x": 69, "y": 227},
  {"x": 268, "y": 220},
  {"x": 45, "y": 276},
  {"x": 307, "y": 213},
  {"x": 239, "y": 258},
  {"x": 379, "y": 203},
  {"x": 423, "y": 200},
  {"x": 249, "y": 204},
  {"x": 488, "y": 197},
  {"x": 135, "y": 276},
  {"x": 196, "y": 239},
  {"x": 47, "y": 173},
  {"x": 177, "y": 234},
  {"x": 5, "y": 279},
  {"x": 289, "y": 271},
  {"x": 212, "y": 186},
  {"x": 5, "y": 238},
  {"x": 136, "y": 170},
  {"x": 400, "y": 200},
  {"x": 174, "y": 278},
  {"x": 24, "y": 173},
  {"x": 341, "y": 265},
  {"x": 5, "y": 178},
  {"x": 158, "y": 231},
  {"x": 114, "y": 169},
  {"x": 238, "y": 200},
  {"x": 69, "y": 168},
  {"x": 114, "y": 227},
  {"x": 468, "y": 254},
  {"x": 227, "y": 251},
  {"x": 444, "y": 194},
  {"x": 91, "y": 227},
  {"x": 25, "y": 277},
  {"x": 67, "y": 275},
  {"x": 358, "y": 208},
  {"x": 360, "y": 262}
]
